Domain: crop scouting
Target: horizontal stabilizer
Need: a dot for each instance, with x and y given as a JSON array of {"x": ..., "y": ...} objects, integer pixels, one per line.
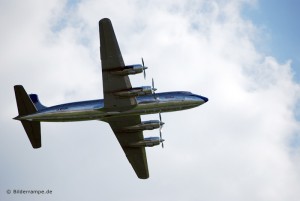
[
  {"x": 33, "y": 130},
  {"x": 26, "y": 107}
]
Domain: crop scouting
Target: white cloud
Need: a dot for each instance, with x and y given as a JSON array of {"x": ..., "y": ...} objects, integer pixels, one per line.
[{"x": 235, "y": 147}]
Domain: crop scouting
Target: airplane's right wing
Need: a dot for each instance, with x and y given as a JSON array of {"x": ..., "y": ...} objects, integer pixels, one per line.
[{"x": 135, "y": 155}]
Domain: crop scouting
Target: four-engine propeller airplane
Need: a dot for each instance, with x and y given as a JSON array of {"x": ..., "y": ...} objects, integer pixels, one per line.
[{"x": 121, "y": 107}]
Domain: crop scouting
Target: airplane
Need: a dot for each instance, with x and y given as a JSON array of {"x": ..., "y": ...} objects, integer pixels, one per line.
[{"x": 121, "y": 107}]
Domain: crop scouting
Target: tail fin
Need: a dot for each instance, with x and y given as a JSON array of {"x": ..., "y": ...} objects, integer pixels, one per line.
[
  {"x": 26, "y": 107},
  {"x": 35, "y": 99}
]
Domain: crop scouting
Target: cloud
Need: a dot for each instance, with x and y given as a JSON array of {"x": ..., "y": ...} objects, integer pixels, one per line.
[{"x": 235, "y": 147}]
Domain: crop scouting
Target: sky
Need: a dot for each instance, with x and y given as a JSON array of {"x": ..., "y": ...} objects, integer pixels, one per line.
[
  {"x": 278, "y": 20},
  {"x": 243, "y": 144}
]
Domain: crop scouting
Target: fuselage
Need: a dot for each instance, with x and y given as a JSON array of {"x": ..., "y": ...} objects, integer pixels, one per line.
[{"x": 95, "y": 110}]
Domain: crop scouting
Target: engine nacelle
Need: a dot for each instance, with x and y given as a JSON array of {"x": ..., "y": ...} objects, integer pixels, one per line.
[
  {"x": 137, "y": 91},
  {"x": 147, "y": 142},
  {"x": 129, "y": 70},
  {"x": 145, "y": 125}
]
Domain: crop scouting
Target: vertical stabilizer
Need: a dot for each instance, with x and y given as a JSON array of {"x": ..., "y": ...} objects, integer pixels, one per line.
[
  {"x": 26, "y": 107},
  {"x": 36, "y": 101}
]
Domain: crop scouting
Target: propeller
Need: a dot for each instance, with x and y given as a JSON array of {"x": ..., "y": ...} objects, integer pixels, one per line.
[
  {"x": 153, "y": 89},
  {"x": 144, "y": 68},
  {"x": 160, "y": 130}
]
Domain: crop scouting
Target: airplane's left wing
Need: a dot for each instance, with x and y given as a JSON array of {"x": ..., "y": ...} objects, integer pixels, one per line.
[
  {"x": 111, "y": 59},
  {"x": 135, "y": 155}
]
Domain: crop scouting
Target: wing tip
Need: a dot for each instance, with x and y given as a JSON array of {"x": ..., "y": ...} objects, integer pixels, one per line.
[
  {"x": 104, "y": 20},
  {"x": 143, "y": 177},
  {"x": 142, "y": 174}
]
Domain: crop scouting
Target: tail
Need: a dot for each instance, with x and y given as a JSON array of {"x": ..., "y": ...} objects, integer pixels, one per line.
[
  {"x": 35, "y": 100},
  {"x": 26, "y": 107}
]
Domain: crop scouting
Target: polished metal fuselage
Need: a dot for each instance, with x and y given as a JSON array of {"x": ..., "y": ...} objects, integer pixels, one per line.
[{"x": 95, "y": 110}]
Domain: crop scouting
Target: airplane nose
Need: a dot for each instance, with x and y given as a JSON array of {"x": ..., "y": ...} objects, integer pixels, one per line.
[
  {"x": 199, "y": 99},
  {"x": 204, "y": 98}
]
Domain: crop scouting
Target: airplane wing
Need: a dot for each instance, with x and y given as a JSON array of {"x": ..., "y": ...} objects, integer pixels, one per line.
[
  {"x": 111, "y": 58},
  {"x": 135, "y": 155}
]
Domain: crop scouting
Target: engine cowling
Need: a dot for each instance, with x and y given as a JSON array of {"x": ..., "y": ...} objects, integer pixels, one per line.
[
  {"x": 137, "y": 91},
  {"x": 147, "y": 142},
  {"x": 129, "y": 70},
  {"x": 145, "y": 125}
]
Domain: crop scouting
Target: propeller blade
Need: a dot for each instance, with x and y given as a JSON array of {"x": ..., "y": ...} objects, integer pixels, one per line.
[
  {"x": 153, "y": 89},
  {"x": 144, "y": 68},
  {"x": 160, "y": 130},
  {"x": 152, "y": 83},
  {"x": 160, "y": 135},
  {"x": 162, "y": 142}
]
